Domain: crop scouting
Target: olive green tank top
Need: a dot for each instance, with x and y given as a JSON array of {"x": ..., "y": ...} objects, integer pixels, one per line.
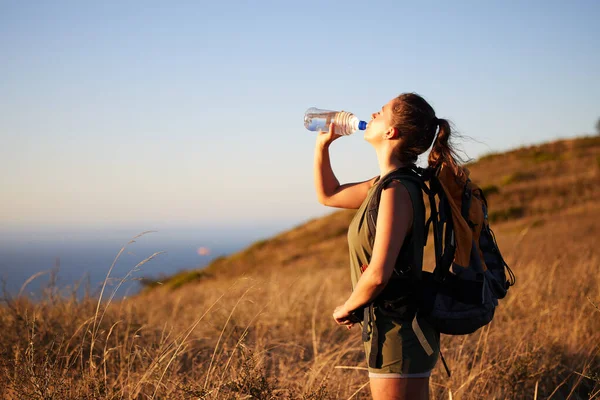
[{"x": 361, "y": 240}]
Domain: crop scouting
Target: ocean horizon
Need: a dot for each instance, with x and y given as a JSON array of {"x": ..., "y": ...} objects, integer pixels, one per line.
[{"x": 83, "y": 257}]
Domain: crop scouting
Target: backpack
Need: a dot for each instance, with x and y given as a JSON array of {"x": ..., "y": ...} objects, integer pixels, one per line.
[{"x": 462, "y": 292}]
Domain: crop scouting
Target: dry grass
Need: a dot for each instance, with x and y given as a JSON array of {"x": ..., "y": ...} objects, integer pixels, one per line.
[{"x": 259, "y": 325}]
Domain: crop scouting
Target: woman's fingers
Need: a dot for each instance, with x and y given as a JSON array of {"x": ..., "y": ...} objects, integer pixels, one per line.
[
  {"x": 343, "y": 317},
  {"x": 327, "y": 137},
  {"x": 343, "y": 321},
  {"x": 332, "y": 129}
]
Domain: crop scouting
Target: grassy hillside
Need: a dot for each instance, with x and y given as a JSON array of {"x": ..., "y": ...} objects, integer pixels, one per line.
[
  {"x": 257, "y": 324},
  {"x": 531, "y": 185}
]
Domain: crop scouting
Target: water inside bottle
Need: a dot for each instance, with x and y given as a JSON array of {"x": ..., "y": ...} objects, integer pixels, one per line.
[
  {"x": 316, "y": 121},
  {"x": 317, "y": 124}
]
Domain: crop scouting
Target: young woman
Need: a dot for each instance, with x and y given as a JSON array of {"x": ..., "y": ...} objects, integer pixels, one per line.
[{"x": 399, "y": 366}]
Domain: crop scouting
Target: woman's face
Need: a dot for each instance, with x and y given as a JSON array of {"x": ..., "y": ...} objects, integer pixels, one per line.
[{"x": 380, "y": 124}]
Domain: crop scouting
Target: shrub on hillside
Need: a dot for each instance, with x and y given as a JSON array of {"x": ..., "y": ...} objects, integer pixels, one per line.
[
  {"x": 519, "y": 176},
  {"x": 489, "y": 190},
  {"x": 506, "y": 214}
]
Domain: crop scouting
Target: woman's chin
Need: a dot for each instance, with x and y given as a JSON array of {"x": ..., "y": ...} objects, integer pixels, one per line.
[{"x": 368, "y": 137}]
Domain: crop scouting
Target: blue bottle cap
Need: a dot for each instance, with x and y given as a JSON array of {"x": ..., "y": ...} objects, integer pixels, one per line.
[{"x": 362, "y": 125}]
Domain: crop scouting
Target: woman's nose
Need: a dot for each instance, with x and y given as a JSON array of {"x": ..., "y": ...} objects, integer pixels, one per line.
[{"x": 373, "y": 115}]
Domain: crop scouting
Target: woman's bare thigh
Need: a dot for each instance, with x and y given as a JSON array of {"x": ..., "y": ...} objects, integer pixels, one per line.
[{"x": 400, "y": 388}]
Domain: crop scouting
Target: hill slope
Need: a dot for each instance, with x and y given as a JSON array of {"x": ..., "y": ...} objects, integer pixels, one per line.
[{"x": 530, "y": 185}]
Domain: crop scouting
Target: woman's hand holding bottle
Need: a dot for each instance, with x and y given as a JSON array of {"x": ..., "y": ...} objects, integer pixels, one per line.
[{"x": 324, "y": 139}]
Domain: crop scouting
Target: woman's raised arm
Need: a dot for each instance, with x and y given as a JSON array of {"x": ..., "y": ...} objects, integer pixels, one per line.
[{"x": 329, "y": 191}]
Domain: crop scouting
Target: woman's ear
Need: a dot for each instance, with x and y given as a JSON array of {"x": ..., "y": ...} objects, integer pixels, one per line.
[{"x": 392, "y": 133}]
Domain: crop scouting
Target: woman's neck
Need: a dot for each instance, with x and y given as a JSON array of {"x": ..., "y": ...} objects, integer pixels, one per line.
[{"x": 388, "y": 163}]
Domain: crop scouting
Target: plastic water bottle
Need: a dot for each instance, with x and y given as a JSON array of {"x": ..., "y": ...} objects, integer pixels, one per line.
[{"x": 346, "y": 123}]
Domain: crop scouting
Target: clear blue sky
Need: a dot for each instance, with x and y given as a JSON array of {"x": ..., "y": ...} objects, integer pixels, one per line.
[{"x": 147, "y": 114}]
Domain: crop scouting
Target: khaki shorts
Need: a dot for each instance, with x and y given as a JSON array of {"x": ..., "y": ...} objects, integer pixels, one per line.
[{"x": 401, "y": 355}]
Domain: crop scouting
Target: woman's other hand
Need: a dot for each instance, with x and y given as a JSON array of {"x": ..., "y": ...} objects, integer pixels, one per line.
[
  {"x": 342, "y": 317},
  {"x": 324, "y": 139}
]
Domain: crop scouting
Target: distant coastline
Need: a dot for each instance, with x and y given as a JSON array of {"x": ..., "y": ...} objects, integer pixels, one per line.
[{"x": 83, "y": 258}]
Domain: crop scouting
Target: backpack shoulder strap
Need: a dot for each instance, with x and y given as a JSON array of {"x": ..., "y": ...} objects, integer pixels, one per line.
[{"x": 402, "y": 175}]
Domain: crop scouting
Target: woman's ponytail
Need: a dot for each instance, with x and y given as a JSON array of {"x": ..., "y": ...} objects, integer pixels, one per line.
[
  {"x": 417, "y": 124},
  {"x": 442, "y": 151}
]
